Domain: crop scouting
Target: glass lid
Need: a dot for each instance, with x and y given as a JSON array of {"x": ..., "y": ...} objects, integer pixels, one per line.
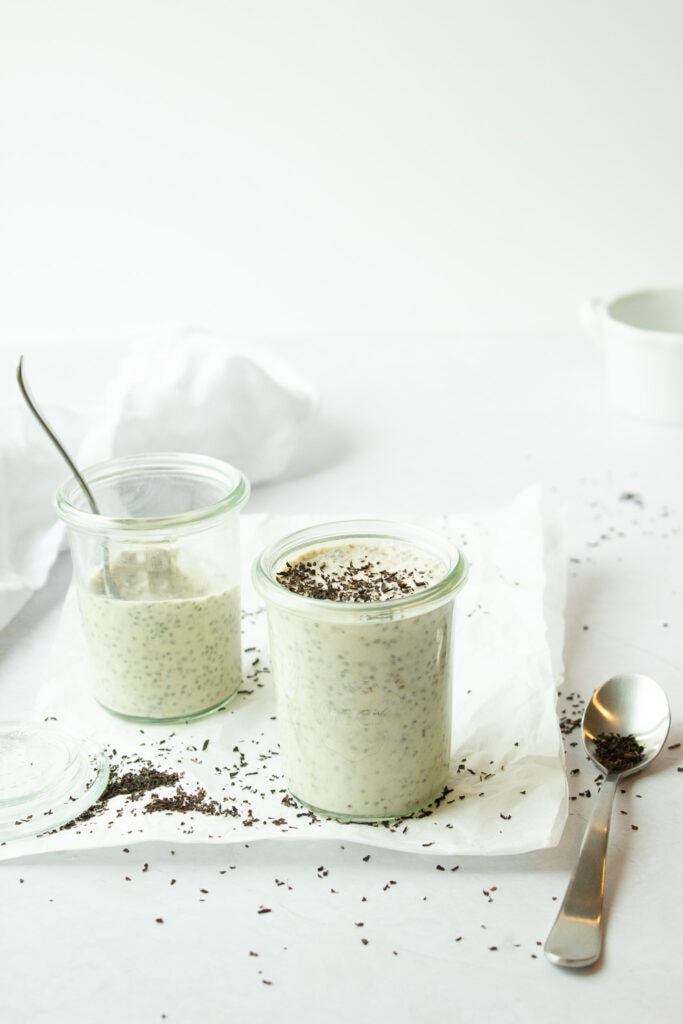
[{"x": 47, "y": 777}]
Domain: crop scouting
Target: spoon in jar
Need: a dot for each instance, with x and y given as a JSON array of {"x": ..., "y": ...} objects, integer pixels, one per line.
[
  {"x": 624, "y": 727},
  {"x": 30, "y": 401},
  {"x": 109, "y": 585}
]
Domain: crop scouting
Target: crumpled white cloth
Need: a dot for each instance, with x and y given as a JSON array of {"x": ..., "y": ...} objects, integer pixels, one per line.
[{"x": 183, "y": 390}]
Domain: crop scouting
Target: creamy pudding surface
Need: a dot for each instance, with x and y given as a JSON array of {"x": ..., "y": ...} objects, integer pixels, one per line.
[
  {"x": 364, "y": 697},
  {"x": 358, "y": 572},
  {"x": 157, "y": 650}
]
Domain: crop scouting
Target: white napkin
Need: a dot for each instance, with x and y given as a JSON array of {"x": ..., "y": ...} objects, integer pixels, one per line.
[
  {"x": 177, "y": 390},
  {"x": 508, "y": 781},
  {"x": 190, "y": 391}
]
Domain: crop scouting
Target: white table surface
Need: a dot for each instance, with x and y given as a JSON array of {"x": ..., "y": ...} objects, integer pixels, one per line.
[{"x": 415, "y": 425}]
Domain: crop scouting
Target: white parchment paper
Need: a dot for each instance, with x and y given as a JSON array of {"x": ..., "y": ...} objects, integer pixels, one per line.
[{"x": 507, "y": 791}]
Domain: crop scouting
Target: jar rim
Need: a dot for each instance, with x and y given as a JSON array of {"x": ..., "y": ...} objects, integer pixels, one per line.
[
  {"x": 376, "y": 530},
  {"x": 235, "y": 482}
]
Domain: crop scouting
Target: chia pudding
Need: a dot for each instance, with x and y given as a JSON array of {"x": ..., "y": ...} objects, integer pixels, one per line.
[
  {"x": 154, "y": 542},
  {"x": 360, "y": 639},
  {"x": 160, "y": 647}
]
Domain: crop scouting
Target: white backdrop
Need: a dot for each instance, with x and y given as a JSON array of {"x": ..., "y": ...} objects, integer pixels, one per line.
[{"x": 306, "y": 167}]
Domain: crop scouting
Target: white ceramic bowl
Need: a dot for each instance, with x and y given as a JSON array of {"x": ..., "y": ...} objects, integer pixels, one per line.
[{"x": 641, "y": 336}]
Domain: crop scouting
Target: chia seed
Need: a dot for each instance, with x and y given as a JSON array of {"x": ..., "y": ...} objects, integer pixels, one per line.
[
  {"x": 350, "y": 583},
  {"x": 161, "y": 649},
  {"x": 618, "y": 753}
]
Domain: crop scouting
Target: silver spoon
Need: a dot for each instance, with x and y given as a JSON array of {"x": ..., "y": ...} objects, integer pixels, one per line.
[
  {"x": 627, "y": 705},
  {"x": 110, "y": 588},
  {"x": 30, "y": 401}
]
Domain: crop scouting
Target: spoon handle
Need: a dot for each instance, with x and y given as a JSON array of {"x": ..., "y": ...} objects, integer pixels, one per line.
[
  {"x": 28, "y": 398},
  {"x": 575, "y": 940}
]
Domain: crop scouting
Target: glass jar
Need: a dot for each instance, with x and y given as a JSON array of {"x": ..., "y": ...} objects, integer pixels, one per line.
[
  {"x": 363, "y": 682},
  {"x": 157, "y": 576}
]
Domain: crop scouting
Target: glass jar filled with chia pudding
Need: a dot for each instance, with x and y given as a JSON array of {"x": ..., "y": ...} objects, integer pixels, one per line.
[
  {"x": 157, "y": 575},
  {"x": 360, "y": 619}
]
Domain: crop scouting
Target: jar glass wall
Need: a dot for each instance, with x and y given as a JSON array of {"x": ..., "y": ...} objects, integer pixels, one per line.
[
  {"x": 157, "y": 575},
  {"x": 363, "y": 681}
]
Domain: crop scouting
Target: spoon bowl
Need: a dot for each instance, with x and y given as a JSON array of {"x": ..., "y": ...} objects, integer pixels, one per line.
[{"x": 628, "y": 706}]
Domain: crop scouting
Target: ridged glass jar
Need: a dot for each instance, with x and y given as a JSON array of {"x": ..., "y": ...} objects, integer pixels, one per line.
[
  {"x": 157, "y": 575},
  {"x": 363, "y": 686}
]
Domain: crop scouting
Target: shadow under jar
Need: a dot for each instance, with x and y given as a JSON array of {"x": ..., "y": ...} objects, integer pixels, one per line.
[
  {"x": 360, "y": 617},
  {"x": 157, "y": 578}
]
